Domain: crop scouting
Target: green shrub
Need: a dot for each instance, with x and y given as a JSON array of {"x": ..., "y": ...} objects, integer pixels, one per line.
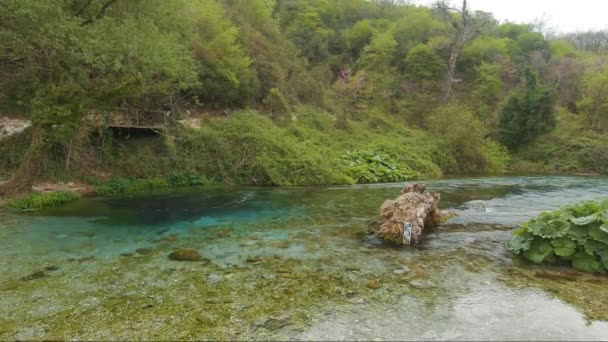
[
  {"x": 527, "y": 114},
  {"x": 277, "y": 103},
  {"x": 576, "y": 233},
  {"x": 249, "y": 148},
  {"x": 373, "y": 167},
  {"x": 118, "y": 185},
  {"x": 570, "y": 147},
  {"x": 178, "y": 179},
  {"x": 466, "y": 136},
  {"x": 174, "y": 180},
  {"x": 43, "y": 200}
]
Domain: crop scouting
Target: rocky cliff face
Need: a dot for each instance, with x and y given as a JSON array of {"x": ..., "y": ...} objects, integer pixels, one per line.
[{"x": 9, "y": 126}]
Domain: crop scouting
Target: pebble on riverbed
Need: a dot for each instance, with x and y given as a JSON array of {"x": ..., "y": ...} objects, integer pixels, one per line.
[
  {"x": 276, "y": 323},
  {"x": 422, "y": 284},
  {"x": 374, "y": 285},
  {"x": 402, "y": 270},
  {"x": 185, "y": 254}
]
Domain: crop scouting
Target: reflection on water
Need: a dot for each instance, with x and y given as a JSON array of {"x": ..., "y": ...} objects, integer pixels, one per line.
[{"x": 291, "y": 263}]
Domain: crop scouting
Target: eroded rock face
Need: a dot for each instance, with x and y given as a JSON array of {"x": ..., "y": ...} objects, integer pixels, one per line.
[
  {"x": 405, "y": 218},
  {"x": 10, "y": 126}
]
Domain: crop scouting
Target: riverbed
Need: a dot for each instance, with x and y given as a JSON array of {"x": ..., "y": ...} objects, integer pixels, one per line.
[{"x": 294, "y": 263}]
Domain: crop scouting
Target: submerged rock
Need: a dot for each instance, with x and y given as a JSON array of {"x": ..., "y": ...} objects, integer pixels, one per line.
[
  {"x": 185, "y": 254},
  {"x": 276, "y": 323},
  {"x": 8, "y": 327},
  {"x": 81, "y": 260},
  {"x": 560, "y": 275},
  {"x": 253, "y": 259},
  {"x": 171, "y": 238},
  {"x": 422, "y": 284},
  {"x": 374, "y": 285},
  {"x": 280, "y": 244},
  {"x": 35, "y": 275},
  {"x": 144, "y": 251},
  {"x": 401, "y": 270}
]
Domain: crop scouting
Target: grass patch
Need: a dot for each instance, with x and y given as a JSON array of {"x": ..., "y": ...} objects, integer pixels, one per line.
[
  {"x": 250, "y": 148},
  {"x": 40, "y": 201},
  {"x": 174, "y": 180}
]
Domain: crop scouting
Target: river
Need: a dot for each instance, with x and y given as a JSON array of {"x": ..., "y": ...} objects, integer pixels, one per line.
[{"x": 293, "y": 263}]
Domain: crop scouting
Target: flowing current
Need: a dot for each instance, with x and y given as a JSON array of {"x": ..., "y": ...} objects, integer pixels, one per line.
[{"x": 294, "y": 263}]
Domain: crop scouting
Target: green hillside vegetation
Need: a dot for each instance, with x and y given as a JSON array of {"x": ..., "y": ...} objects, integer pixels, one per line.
[{"x": 293, "y": 92}]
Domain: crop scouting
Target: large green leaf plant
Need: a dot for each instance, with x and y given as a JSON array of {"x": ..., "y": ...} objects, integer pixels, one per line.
[{"x": 576, "y": 233}]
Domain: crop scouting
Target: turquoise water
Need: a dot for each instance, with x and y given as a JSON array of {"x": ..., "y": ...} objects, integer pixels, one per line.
[{"x": 292, "y": 263}]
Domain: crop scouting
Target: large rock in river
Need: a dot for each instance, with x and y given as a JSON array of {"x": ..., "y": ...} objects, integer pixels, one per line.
[{"x": 405, "y": 218}]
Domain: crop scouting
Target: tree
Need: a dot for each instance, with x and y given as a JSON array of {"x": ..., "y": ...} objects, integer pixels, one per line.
[
  {"x": 594, "y": 100},
  {"x": 488, "y": 87},
  {"x": 379, "y": 54},
  {"x": 466, "y": 136},
  {"x": 528, "y": 113},
  {"x": 418, "y": 25},
  {"x": 466, "y": 27},
  {"x": 58, "y": 69},
  {"x": 594, "y": 41},
  {"x": 358, "y": 37},
  {"x": 423, "y": 64}
]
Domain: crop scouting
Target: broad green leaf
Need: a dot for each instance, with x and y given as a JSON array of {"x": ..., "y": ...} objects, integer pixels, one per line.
[
  {"x": 539, "y": 250},
  {"x": 586, "y": 263},
  {"x": 604, "y": 227},
  {"x": 578, "y": 233},
  {"x": 584, "y": 209},
  {"x": 595, "y": 247},
  {"x": 538, "y": 227},
  {"x": 598, "y": 235},
  {"x": 564, "y": 247},
  {"x": 559, "y": 227},
  {"x": 519, "y": 243},
  {"x": 604, "y": 216},
  {"x": 581, "y": 221}
]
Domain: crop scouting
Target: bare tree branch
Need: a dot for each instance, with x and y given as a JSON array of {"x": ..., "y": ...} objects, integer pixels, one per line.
[
  {"x": 84, "y": 7},
  {"x": 465, "y": 29},
  {"x": 100, "y": 14}
]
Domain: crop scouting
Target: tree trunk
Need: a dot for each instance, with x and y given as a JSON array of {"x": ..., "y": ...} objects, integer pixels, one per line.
[
  {"x": 28, "y": 169},
  {"x": 446, "y": 87},
  {"x": 406, "y": 217}
]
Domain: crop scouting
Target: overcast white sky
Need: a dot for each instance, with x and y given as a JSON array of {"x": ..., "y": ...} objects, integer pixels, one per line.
[{"x": 563, "y": 15}]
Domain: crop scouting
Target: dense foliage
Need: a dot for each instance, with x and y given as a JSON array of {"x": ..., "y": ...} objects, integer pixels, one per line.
[
  {"x": 174, "y": 180},
  {"x": 577, "y": 234},
  {"x": 286, "y": 88},
  {"x": 527, "y": 115},
  {"x": 43, "y": 200},
  {"x": 372, "y": 167}
]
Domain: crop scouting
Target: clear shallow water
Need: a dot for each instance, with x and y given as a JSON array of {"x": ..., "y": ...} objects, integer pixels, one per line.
[{"x": 293, "y": 263}]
